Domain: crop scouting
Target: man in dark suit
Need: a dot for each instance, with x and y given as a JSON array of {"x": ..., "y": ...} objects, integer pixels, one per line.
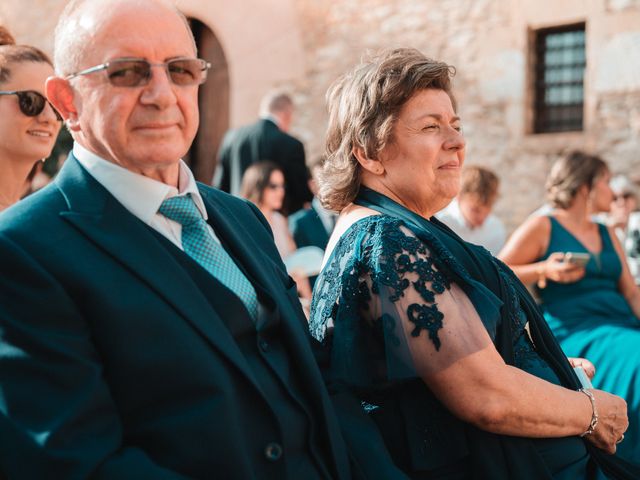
[
  {"x": 148, "y": 327},
  {"x": 308, "y": 228},
  {"x": 266, "y": 139},
  {"x": 313, "y": 226}
]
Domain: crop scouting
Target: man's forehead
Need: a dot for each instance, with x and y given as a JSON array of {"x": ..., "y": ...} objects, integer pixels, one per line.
[{"x": 128, "y": 26}]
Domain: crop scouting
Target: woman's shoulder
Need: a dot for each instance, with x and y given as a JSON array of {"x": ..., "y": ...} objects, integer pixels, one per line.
[{"x": 369, "y": 229}]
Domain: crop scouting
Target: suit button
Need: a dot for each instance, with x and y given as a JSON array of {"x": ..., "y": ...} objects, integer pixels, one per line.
[
  {"x": 273, "y": 452},
  {"x": 264, "y": 345}
]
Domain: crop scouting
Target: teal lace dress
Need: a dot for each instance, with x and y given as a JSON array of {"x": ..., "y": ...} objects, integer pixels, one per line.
[
  {"x": 377, "y": 302},
  {"x": 591, "y": 319}
]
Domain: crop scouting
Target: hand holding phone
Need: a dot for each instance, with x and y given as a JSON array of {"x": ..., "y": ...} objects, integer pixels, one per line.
[
  {"x": 577, "y": 258},
  {"x": 565, "y": 267}
]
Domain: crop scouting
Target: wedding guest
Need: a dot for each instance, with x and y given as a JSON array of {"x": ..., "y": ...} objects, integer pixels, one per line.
[
  {"x": 592, "y": 306},
  {"x": 29, "y": 124},
  {"x": 432, "y": 336},
  {"x": 471, "y": 215}
]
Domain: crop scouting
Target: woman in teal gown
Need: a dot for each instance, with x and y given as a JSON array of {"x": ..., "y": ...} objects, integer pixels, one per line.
[
  {"x": 592, "y": 310},
  {"x": 438, "y": 360}
]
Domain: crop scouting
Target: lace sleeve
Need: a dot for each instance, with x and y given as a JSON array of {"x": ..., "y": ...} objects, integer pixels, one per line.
[
  {"x": 426, "y": 319},
  {"x": 385, "y": 312}
]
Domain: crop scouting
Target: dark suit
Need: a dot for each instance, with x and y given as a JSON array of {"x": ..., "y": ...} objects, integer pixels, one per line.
[
  {"x": 263, "y": 140},
  {"x": 121, "y": 358},
  {"x": 308, "y": 230}
]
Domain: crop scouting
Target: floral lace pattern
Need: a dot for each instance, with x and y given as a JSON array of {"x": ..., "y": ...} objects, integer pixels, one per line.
[
  {"x": 376, "y": 255},
  {"x": 387, "y": 257}
]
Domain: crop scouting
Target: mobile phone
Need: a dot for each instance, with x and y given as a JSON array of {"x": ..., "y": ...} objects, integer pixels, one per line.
[
  {"x": 577, "y": 258},
  {"x": 582, "y": 376}
]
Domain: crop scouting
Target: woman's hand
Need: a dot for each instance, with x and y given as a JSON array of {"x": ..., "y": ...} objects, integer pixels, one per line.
[
  {"x": 585, "y": 364},
  {"x": 612, "y": 421},
  {"x": 557, "y": 270}
]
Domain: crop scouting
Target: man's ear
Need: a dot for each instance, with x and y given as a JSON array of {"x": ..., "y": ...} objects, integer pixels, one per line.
[
  {"x": 60, "y": 94},
  {"x": 369, "y": 164}
]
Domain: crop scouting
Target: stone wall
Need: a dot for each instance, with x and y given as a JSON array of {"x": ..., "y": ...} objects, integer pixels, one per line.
[
  {"x": 305, "y": 45},
  {"x": 489, "y": 42}
]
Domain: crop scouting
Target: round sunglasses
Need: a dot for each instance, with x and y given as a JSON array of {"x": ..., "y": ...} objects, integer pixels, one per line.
[{"x": 31, "y": 102}]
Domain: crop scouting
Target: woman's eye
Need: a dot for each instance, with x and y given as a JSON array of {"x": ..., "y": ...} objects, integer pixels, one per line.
[{"x": 432, "y": 126}]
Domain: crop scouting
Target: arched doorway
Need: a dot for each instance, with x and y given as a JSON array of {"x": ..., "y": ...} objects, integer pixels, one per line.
[{"x": 213, "y": 100}]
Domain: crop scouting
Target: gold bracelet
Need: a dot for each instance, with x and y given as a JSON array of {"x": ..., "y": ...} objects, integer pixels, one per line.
[{"x": 594, "y": 412}]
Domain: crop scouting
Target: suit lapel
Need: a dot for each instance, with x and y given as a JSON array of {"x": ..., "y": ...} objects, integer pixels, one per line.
[
  {"x": 260, "y": 270},
  {"x": 102, "y": 219},
  {"x": 240, "y": 244}
]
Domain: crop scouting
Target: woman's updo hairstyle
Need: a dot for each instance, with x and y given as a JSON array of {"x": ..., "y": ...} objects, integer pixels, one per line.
[
  {"x": 570, "y": 173},
  {"x": 11, "y": 54},
  {"x": 5, "y": 37}
]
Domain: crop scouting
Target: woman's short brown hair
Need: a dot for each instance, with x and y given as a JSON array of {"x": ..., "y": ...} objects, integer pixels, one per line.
[
  {"x": 10, "y": 54},
  {"x": 570, "y": 173},
  {"x": 363, "y": 108},
  {"x": 256, "y": 179}
]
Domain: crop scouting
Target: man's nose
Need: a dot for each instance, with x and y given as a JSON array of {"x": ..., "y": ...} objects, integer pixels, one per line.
[{"x": 160, "y": 89}]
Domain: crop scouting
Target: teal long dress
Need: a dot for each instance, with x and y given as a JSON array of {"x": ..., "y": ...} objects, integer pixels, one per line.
[
  {"x": 377, "y": 264},
  {"x": 591, "y": 319}
]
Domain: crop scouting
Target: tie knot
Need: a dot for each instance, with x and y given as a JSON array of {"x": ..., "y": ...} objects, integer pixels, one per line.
[{"x": 181, "y": 210}]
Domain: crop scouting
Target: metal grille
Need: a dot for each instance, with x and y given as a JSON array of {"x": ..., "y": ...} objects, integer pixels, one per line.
[{"x": 559, "y": 79}]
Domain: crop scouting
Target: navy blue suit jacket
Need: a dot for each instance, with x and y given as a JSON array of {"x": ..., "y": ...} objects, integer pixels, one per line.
[
  {"x": 114, "y": 365},
  {"x": 263, "y": 140},
  {"x": 307, "y": 229}
]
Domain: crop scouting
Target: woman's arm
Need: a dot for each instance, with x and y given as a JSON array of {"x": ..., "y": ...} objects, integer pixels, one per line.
[
  {"x": 626, "y": 283},
  {"x": 478, "y": 387},
  {"x": 526, "y": 245},
  {"x": 453, "y": 353}
]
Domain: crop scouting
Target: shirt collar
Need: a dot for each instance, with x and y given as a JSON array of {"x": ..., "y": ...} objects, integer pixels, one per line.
[
  {"x": 141, "y": 195},
  {"x": 455, "y": 209},
  {"x": 272, "y": 119}
]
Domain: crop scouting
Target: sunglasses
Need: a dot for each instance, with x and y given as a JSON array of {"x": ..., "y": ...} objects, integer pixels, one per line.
[
  {"x": 32, "y": 103},
  {"x": 136, "y": 72},
  {"x": 625, "y": 196}
]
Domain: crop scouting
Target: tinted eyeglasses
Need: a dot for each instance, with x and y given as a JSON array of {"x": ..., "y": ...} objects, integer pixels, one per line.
[
  {"x": 31, "y": 102},
  {"x": 136, "y": 72}
]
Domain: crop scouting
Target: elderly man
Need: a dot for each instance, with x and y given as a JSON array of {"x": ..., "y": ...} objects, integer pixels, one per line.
[
  {"x": 148, "y": 327},
  {"x": 266, "y": 139}
]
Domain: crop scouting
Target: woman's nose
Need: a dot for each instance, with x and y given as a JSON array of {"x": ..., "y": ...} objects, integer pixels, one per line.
[{"x": 455, "y": 141}]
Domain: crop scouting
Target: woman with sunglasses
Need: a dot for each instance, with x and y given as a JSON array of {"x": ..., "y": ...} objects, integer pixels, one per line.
[
  {"x": 263, "y": 184},
  {"x": 28, "y": 123}
]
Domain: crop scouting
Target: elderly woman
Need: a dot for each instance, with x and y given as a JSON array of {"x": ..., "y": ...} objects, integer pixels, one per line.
[
  {"x": 28, "y": 123},
  {"x": 593, "y": 309},
  {"x": 425, "y": 333}
]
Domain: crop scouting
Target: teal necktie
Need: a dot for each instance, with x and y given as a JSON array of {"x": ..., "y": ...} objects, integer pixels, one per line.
[{"x": 198, "y": 243}]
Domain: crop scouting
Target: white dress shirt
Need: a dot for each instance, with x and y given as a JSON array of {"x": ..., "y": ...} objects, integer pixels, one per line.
[
  {"x": 141, "y": 195},
  {"x": 491, "y": 234}
]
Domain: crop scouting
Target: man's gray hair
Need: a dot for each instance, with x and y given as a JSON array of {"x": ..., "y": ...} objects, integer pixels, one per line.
[
  {"x": 275, "y": 102},
  {"x": 72, "y": 38}
]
